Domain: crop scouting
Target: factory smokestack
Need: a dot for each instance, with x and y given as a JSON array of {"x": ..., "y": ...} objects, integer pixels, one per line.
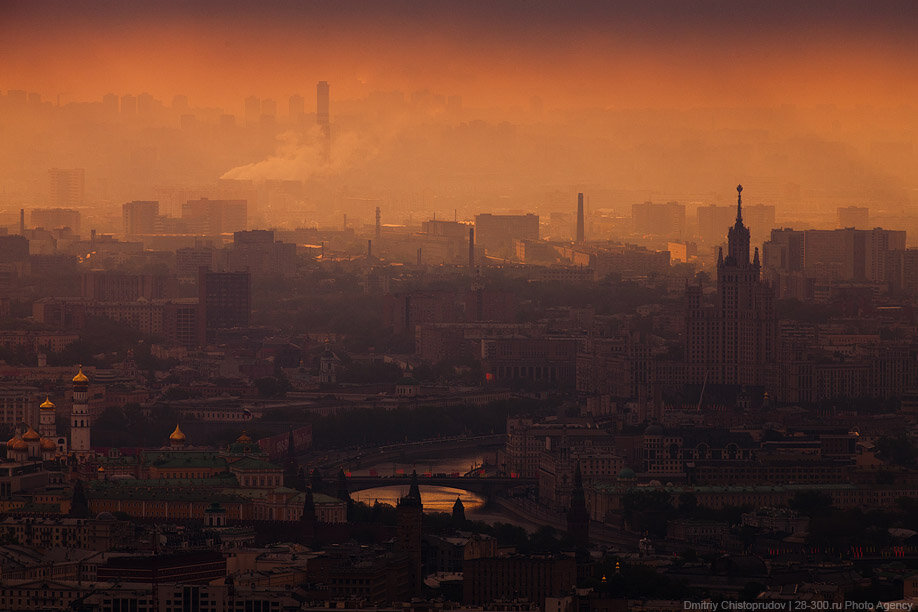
[
  {"x": 369, "y": 249},
  {"x": 22, "y": 221},
  {"x": 580, "y": 227},
  {"x": 378, "y": 224}
]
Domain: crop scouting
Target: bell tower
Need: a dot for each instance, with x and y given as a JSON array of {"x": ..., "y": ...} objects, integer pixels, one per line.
[
  {"x": 47, "y": 419},
  {"x": 79, "y": 415}
]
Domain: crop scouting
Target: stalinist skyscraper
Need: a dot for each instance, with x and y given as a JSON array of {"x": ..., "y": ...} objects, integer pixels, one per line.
[{"x": 733, "y": 341}]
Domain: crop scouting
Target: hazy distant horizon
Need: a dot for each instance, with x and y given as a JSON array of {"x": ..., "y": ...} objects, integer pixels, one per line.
[{"x": 444, "y": 106}]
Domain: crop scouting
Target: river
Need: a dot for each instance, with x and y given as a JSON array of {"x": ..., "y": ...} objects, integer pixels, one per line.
[
  {"x": 436, "y": 498},
  {"x": 459, "y": 464}
]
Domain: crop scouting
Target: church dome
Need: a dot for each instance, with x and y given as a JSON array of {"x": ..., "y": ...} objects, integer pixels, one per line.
[
  {"x": 47, "y": 444},
  {"x": 80, "y": 377},
  {"x": 31, "y": 435},
  {"x": 627, "y": 474},
  {"x": 177, "y": 435},
  {"x": 47, "y": 404},
  {"x": 19, "y": 444},
  {"x": 244, "y": 438}
]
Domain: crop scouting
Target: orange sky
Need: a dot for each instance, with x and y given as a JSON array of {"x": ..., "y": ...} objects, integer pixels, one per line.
[{"x": 661, "y": 54}]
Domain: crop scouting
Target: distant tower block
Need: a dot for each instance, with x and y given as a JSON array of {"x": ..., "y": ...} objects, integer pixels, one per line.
[
  {"x": 471, "y": 250},
  {"x": 323, "y": 118},
  {"x": 580, "y": 227},
  {"x": 378, "y": 224}
]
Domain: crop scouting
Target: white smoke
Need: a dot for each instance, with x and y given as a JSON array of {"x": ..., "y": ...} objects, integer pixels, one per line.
[{"x": 302, "y": 156}]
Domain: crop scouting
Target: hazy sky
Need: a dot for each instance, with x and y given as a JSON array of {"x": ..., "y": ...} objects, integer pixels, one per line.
[{"x": 665, "y": 53}]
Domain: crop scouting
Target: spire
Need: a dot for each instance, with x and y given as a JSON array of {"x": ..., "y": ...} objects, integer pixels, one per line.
[
  {"x": 458, "y": 512},
  {"x": 414, "y": 493},
  {"x": 739, "y": 204}
]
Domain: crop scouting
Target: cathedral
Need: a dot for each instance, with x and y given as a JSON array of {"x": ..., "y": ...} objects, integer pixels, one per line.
[
  {"x": 47, "y": 443},
  {"x": 732, "y": 342}
]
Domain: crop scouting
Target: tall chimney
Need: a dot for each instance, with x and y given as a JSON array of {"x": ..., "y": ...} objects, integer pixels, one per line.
[
  {"x": 378, "y": 223},
  {"x": 369, "y": 249},
  {"x": 419, "y": 256},
  {"x": 22, "y": 221},
  {"x": 344, "y": 223},
  {"x": 471, "y": 250},
  {"x": 580, "y": 229}
]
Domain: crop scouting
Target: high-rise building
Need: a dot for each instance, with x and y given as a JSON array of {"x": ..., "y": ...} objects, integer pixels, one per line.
[
  {"x": 252, "y": 110},
  {"x": 66, "y": 187},
  {"x": 258, "y": 252},
  {"x": 857, "y": 217},
  {"x": 322, "y": 104},
  {"x": 110, "y": 286},
  {"x": 144, "y": 104},
  {"x": 128, "y": 105},
  {"x": 733, "y": 342},
  {"x": 56, "y": 218},
  {"x": 224, "y": 300},
  {"x": 140, "y": 217},
  {"x": 296, "y": 108},
  {"x": 323, "y": 117},
  {"x": 667, "y": 220},
  {"x": 110, "y": 104},
  {"x": 797, "y": 259},
  {"x": 213, "y": 217},
  {"x": 496, "y": 233}
]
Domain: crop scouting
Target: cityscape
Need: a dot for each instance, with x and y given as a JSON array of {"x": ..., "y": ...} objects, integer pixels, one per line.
[{"x": 414, "y": 307}]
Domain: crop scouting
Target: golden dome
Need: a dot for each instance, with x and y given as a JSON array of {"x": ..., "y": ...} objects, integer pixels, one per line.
[
  {"x": 80, "y": 377},
  {"x": 47, "y": 403},
  {"x": 31, "y": 435},
  {"x": 244, "y": 438},
  {"x": 47, "y": 444},
  {"x": 19, "y": 444},
  {"x": 177, "y": 435},
  {"x": 9, "y": 442},
  {"x": 101, "y": 469}
]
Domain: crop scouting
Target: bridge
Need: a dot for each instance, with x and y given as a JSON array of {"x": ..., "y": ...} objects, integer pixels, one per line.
[
  {"x": 355, "y": 457},
  {"x": 486, "y": 486}
]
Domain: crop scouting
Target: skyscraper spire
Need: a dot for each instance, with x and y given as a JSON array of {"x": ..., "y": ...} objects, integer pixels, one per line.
[
  {"x": 738, "y": 235},
  {"x": 739, "y": 204}
]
